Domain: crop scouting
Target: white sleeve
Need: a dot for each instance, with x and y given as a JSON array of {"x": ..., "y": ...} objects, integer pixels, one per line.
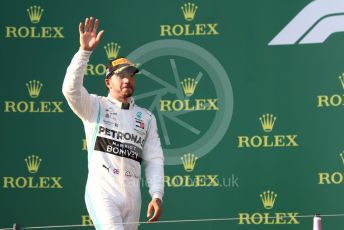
[
  {"x": 80, "y": 101},
  {"x": 154, "y": 161}
]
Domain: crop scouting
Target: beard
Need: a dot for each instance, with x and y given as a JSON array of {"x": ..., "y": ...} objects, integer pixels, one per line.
[{"x": 127, "y": 92}]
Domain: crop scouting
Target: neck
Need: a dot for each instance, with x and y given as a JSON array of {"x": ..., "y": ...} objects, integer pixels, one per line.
[{"x": 123, "y": 99}]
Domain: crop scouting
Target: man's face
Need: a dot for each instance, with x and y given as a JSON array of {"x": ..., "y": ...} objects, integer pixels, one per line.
[{"x": 121, "y": 84}]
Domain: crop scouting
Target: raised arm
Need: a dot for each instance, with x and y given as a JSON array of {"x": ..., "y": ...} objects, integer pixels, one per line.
[{"x": 81, "y": 102}]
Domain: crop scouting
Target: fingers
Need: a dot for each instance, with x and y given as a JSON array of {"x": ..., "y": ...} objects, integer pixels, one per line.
[
  {"x": 99, "y": 36},
  {"x": 80, "y": 27},
  {"x": 90, "y": 27},
  {"x": 89, "y": 38},
  {"x": 95, "y": 25},
  {"x": 149, "y": 210},
  {"x": 154, "y": 206},
  {"x": 87, "y": 24},
  {"x": 156, "y": 216}
]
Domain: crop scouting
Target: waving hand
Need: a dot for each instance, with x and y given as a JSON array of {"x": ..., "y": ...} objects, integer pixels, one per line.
[{"x": 89, "y": 38}]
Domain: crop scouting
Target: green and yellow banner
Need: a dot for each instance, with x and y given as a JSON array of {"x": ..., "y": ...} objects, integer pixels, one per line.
[{"x": 248, "y": 97}]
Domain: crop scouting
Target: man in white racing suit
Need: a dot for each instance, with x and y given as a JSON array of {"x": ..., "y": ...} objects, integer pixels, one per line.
[{"x": 120, "y": 136}]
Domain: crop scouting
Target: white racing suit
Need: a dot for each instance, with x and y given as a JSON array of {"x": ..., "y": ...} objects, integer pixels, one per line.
[{"x": 118, "y": 140}]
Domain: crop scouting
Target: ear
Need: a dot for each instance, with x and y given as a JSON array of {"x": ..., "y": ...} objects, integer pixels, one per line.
[{"x": 107, "y": 82}]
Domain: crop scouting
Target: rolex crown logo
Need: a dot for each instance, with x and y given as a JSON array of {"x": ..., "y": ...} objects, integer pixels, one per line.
[
  {"x": 35, "y": 13},
  {"x": 189, "y": 11},
  {"x": 268, "y": 199},
  {"x": 342, "y": 156},
  {"x": 189, "y": 161},
  {"x": 34, "y": 87},
  {"x": 341, "y": 78},
  {"x": 32, "y": 163},
  {"x": 267, "y": 121},
  {"x": 189, "y": 86},
  {"x": 112, "y": 50}
]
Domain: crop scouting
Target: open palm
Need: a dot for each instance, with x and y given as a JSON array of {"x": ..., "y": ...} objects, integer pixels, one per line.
[{"x": 89, "y": 38}]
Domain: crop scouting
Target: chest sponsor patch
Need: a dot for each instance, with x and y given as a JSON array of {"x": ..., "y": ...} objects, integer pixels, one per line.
[{"x": 117, "y": 148}]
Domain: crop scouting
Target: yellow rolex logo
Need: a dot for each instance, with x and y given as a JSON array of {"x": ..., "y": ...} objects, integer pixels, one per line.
[
  {"x": 189, "y": 161},
  {"x": 35, "y": 13},
  {"x": 32, "y": 182},
  {"x": 34, "y": 87},
  {"x": 189, "y": 29},
  {"x": 34, "y": 31},
  {"x": 267, "y": 121},
  {"x": 267, "y": 217},
  {"x": 342, "y": 156},
  {"x": 112, "y": 50},
  {"x": 268, "y": 199},
  {"x": 189, "y": 86},
  {"x": 189, "y": 180},
  {"x": 341, "y": 78},
  {"x": 189, "y": 11},
  {"x": 32, "y": 163}
]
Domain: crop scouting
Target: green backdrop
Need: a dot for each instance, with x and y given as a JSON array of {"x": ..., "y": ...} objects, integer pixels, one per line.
[{"x": 256, "y": 134}]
